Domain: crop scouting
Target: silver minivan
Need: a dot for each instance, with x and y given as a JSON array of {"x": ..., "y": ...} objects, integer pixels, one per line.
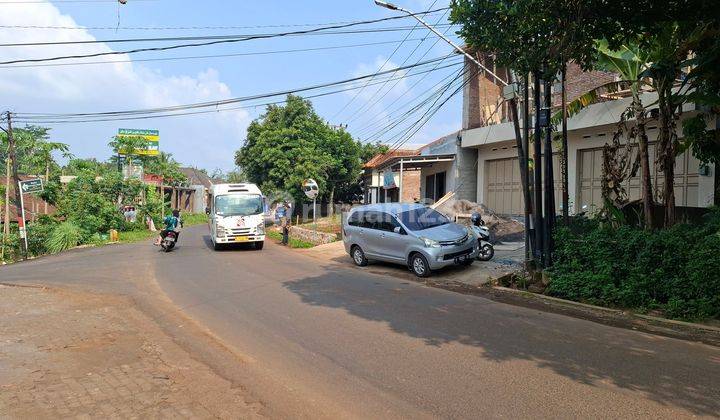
[{"x": 410, "y": 234}]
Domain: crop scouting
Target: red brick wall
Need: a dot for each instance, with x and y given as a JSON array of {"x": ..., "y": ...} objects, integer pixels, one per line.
[
  {"x": 411, "y": 186},
  {"x": 483, "y": 93}
]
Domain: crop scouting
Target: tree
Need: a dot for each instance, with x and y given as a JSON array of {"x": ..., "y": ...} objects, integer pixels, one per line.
[
  {"x": 285, "y": 146},
  {"x": 166, "y": 166},
  {"x": 525, "y": 34},
  {"x": 128, "y": 146},
  {"x": 344, "y": 164}
]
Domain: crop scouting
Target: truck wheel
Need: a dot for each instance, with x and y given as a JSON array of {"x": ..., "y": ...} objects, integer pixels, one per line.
[
  {"x": 259, "y": 245},
  {"x": 217, "y": 246}
]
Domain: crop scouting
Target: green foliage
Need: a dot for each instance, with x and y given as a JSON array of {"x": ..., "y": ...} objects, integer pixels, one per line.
[
  {"x": 291, "y": 143},
  {"x": 64, "y": 236},
  {"x": 676, "y": 270},
  {"x": 89, "y": 205},
  {"x": 38, "y": 234},
  {"x": 292, "y": 242},
  {"x": 165, "y": 166}
]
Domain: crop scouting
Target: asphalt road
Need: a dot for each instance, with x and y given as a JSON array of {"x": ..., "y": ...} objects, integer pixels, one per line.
[{"x": 334, "y": 340}]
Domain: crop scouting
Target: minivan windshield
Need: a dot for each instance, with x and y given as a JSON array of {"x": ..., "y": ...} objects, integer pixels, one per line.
[
  {"x": 238, "y": 205},
  {"x": 422, "y": 218}
]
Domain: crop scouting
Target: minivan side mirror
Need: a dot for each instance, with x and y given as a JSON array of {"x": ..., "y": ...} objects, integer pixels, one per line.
[{"x": 399, "y": 230}]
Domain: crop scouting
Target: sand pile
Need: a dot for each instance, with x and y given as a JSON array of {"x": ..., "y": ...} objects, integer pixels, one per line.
[{"x": 501, "y": 228}]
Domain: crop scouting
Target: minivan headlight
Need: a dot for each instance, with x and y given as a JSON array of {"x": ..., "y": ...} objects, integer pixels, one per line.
[{"x": 430, "y": 243}]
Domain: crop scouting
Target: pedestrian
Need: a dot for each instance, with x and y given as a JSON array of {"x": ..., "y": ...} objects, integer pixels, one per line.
[{"x": 285, "y": 222}]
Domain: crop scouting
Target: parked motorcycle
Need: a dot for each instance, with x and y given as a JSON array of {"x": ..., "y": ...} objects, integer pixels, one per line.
[
  {"x": 168, "y": 243},
  {"x": 487, "y": 251}
]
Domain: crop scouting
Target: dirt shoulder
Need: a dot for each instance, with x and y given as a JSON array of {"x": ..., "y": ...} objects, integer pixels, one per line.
[{"x": 66, "y": 353}]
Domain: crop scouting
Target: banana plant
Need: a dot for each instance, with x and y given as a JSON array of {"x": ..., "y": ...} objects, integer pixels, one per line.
[{"x": 630, "y": 62}]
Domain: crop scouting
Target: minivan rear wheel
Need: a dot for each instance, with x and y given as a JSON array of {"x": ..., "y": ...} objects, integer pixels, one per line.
[
  {"x": 358, "y": 256},
  {"x": 419, "y": 265}
]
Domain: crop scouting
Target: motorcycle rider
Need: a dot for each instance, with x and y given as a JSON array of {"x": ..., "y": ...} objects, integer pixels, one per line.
[{"x": 171, "y": 224}]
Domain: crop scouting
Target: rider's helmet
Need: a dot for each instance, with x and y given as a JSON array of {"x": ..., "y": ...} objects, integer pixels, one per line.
[
  {"x": 476, "y": 219},
  {"x": 176, "y": 213}
]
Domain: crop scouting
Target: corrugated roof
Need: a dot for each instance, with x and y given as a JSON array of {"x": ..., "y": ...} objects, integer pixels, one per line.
[
  {"x": 381, "y": 158},
  {"x": 196, "y": 177}
]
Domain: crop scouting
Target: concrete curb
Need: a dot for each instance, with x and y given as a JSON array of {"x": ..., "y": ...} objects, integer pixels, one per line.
[{"x": 667, "y": 323}]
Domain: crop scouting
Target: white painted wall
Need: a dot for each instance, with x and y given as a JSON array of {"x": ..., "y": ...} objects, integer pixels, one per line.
[{"x": 588, "y": 138}]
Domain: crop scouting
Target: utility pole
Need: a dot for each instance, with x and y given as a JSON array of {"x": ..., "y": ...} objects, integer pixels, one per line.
[
  {"x": 564, "y": 167},
  {"x": 511, "y": 97},
  {"x": 16, "y": 178},
  {"x": 537, "y": 160},
  {"x": 521, "y": 147},
  {"x": 549, "y": 181},
  {"x": 526, "y": 174}
]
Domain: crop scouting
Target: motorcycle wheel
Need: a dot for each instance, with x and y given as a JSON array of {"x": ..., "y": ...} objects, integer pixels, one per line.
[{"x": 486, "y": 252}]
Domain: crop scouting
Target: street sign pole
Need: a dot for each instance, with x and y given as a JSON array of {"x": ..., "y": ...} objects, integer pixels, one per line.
[{"x": 21, "y": 221}]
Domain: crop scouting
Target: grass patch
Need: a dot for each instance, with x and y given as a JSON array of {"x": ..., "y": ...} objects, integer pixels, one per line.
[
  {"x": 325, "y": 224},
  {"x": 294, "y": 242},
  {"x": 191, "y": 219},
  {"x": 136, "y": 235}
]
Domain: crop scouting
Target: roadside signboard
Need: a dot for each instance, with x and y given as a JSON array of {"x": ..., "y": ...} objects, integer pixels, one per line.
[
  {"x": 31, "y": 186},
  {"x": 151, "y": 136}
]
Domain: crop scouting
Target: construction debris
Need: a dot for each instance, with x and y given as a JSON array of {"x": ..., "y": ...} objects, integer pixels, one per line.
[{"x": 501, "y": 228}]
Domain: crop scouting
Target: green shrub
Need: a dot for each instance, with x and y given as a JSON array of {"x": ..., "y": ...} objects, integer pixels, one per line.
[
  {"x": 38, "y": 233},
  {"x": 675, "y": 270},
  {"x": 66, "y": 235},
  {"x": 12, "y": 247}
]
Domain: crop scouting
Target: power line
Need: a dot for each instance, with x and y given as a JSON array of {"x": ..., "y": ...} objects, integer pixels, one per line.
[
  {"x": 431, "y": 113},
  {"x": 40, "y": 116},
  {"x": 192, "y": 57},
  {"x": 436, "y": 95},
  {"x": 411, "y": 87},
  {"x": 176, "y": 114},
  {"x": 344, "y": 107},
  {"x": 221, "y": 41},
  {"x": 212, "y": 37},
  {"x": 65, "y": 1},
  {"x": 182, "y": 28},
  {"x": 380, "y": 126},
  {"x": 371, "y": 102}
]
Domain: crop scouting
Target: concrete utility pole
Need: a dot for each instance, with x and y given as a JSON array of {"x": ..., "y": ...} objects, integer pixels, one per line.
[
  {"x": 510, "y": 95},
  {"x": 16, "y": 179}
]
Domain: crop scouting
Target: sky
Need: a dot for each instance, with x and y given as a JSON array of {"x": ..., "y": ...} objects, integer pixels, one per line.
[{"x": 210, "y": 140}]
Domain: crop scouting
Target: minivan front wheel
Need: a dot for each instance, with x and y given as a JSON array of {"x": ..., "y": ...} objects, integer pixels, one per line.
[
  {"x": 358, "y": 256},
  {"x": 419, "y": 265}
]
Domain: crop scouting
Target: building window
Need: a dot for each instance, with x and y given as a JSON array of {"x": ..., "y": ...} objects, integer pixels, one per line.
[{"x": 435, "y": 186}]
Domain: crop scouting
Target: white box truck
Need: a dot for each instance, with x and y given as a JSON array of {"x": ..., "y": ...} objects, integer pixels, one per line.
[{"x": 237, "y": 215}]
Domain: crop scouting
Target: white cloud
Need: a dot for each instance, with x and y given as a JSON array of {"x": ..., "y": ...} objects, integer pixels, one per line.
[{"x": 207, "y": 140}]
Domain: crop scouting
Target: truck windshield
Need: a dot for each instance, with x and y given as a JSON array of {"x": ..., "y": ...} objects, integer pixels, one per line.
[
  {"x": 422, "y": 218},
  {"x": 238, "y": 205}
]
